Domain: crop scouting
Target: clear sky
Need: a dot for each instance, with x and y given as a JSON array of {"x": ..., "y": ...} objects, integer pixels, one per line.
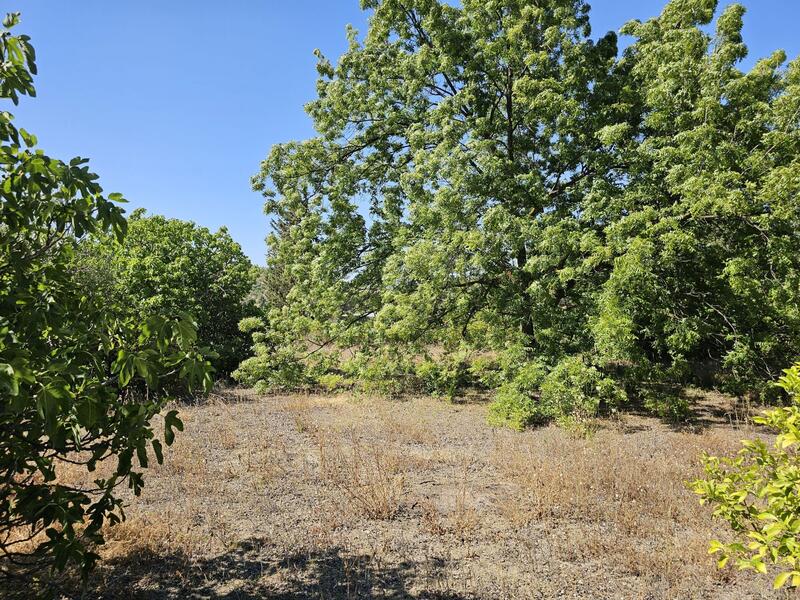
[{"x": 176, "y": 102}]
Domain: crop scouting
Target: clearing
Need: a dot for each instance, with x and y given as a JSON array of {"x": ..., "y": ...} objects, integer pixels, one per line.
[{"x": 305, "y": 496}]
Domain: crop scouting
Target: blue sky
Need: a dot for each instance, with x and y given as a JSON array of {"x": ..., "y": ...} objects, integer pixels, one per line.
[{"x": 176, "y": 102}]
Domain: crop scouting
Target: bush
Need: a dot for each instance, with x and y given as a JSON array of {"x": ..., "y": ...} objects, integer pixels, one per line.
[
  {"x": 667, "y": 405},
  {"x": 486, "y": 371},
  {"x": 445, "y": 376},
  {"x": 513, "y": 408},
  {"x": 573, "y": 388},
  {"x": 169, "y": 266},
  {"x": 268, "y": 371},
  {"x": 570, "y": 389},
  {"x": 70, "y": 368},
  {"x": 756, "y": 494},
  {"x": 331, "y": 382},
  {"x": 516, "y": 404},
  {"x": 385, "y": 372}
]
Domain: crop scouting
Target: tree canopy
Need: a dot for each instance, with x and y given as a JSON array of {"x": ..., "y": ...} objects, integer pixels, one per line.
[
  {"x": 169, "y": 266},
  {"x": 490, "y": 179}
]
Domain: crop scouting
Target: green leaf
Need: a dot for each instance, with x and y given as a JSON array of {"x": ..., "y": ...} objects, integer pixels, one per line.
[
  {"x": 145, "y": 371},
  {"x": 187, "y": 334},
  {"x": 171, "y": 420},
  {"x": 89, "y": 412},
  {"x": 8, "y": 379},
  {"x": 157, "y": 448},
  {"x": 49, "y": 408},
  {"x": 781, "y": 580}
]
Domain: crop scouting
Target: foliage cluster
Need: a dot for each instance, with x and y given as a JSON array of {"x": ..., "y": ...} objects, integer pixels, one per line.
[
  {"x": 756, "y": 493},
  {"x": 169, "y": 266}
]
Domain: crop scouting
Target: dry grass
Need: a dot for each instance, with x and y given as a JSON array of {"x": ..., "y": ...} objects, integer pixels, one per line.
[
  {"x": 460, "y": 519},
  {"x": 608, "y": 477},
  {"x": 366, "y": 478},
  {"x": 620, "y": 501},
  {"x": 334, "y": 497}
]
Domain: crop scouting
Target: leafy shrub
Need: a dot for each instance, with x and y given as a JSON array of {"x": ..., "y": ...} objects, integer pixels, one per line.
[
  {"x": 516, "y": 404},
  {"x": 273, "y": 370},
  {"x": 756, "y": 494},
  {"x": 574, "y": 388},
  {"x": 71, "y": 369},
  {"x": 486, "y": 371},
  {"x": 444, "y": 376},
  {"x": 570, "y": 389},
  {"x": 331, "y": 382},
  {"x": 271, "y": 367},
  {"x": 513, "y": 408},
  {"x": 386, "y": 372},
  {"x": 169, "y": 266},
  {"x": 666, "y": 404}
]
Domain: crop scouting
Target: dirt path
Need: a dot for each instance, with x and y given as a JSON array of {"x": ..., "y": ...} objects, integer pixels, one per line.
[{"x": 334, "y": 497}]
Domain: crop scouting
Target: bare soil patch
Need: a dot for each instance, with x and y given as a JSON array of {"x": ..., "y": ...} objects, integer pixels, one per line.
[{"x": 306, "y": 496}]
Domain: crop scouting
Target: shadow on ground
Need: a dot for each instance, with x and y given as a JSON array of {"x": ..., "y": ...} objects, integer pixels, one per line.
[{"x": 256, "y": 570}]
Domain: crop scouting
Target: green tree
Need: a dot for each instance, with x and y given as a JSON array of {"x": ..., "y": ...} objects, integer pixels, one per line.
[
  {"x": 469, "y": 134},
  {"x": 706, "y": 257},
  {"x": 486, "y": 178},
  {"x": 274, "y": 281},
  {"x": 69, "y": 367},
  {"x": 756, "y": 493},
  {"x": 168, "y": 266}
]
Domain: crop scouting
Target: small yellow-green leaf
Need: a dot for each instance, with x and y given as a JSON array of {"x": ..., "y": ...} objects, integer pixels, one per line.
[{"x": 780, "y": 580}]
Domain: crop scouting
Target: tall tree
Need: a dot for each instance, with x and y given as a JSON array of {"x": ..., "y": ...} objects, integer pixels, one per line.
[
  {"x": 470, "y": 136},
  {"x": 706, "y": 254}
]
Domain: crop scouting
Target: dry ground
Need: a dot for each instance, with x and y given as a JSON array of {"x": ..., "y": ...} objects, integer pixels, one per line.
[{"x": 340, "y": 497}]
